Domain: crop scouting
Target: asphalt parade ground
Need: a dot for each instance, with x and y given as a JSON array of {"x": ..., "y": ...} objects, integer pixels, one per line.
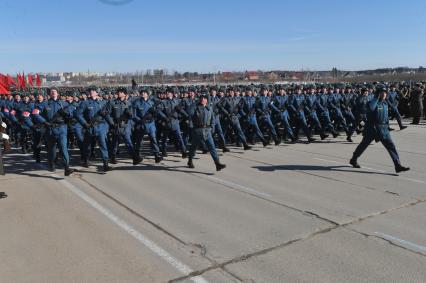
[{"x": 288, "y": 213}]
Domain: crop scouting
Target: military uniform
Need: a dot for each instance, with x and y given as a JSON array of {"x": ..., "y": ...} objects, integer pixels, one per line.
[
  {"x": 202, "y": 119},
  {"x": 53, "y": 116},
  {"x": 377, "y": 128},
  {"x": 92, "y": 115}
]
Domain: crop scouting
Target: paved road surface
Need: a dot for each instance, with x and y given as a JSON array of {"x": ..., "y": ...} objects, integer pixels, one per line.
[{"x": 292, "y": 213}]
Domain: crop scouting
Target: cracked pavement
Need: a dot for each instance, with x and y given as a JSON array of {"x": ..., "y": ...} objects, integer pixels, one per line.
[{"x": 292, "y": 213}]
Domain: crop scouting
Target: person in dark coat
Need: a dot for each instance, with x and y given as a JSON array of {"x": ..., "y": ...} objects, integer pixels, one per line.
[{"x": 416, "y": 104}]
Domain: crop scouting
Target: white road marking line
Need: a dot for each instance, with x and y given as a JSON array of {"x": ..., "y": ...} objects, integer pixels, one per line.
[
  {"x": 156, "y": 249},
  {"x": 374, "y": 169},
  {"x": 238, "y": 187},
  {"x": 415, "y": 247}
]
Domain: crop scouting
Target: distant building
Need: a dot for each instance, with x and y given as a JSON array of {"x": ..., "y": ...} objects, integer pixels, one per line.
[{"x": 251, "y": 76}]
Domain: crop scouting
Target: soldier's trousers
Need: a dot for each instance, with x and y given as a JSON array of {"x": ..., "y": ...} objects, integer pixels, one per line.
[
  {"x": 339, "y": 119},
  {"x": 77, "y": 130},
  {"x": 97, "y": 132},
  {"x": 285, "y": 119},
  {"x": 235, "y": 124},
  {"x": 350, "y": 121},
  {"x": 150, "y": 130},
  {"x": 326, "y": 121},
  {"x": 217, "y": 129},
  {"x": 57, "y": 137},
  {"x": 38, "y": 135},
  {"x": 387, "y": 143},
  {"x": 301, "y": 123},
  {"x": 174, "y": 129},
  {"x": 123, "y": 133},
  {"x": 253, "y": 127},
  {"x": 203, "y": 135},
  {"x": 266, "y": 119},
  {"x": 315, "y": 122},
  {"x": 395, "y": 113}
]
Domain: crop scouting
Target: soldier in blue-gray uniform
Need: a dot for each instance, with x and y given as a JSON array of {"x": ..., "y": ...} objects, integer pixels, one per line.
[
  {"x": 23, "y": 111},
  {"x": 263, "y": 109},
  {"x": 322, "y": 106},
  {"x": 297, "y": 104},
  {"x": 92, "y": 115},
  {"x": 377, "y": 128},
  {"x": 144, "y": 114},
  {"x": 232, "y": 109},
  {"x": 249, "y": 111},
  {"x": 38, "y": 129},
  {"x": 393, "y": 101},
  {"x": 216, "y": 105},
  {"x": 54, "y": 116},
  {"x": 75, "y": 127},
  {"x": 360, "y": 109},
  {"x": 170, "y": 110},
  {"x": 121, "y": 124},
  {"x": 311, "y": 113},
  {"x": 202, "y": 119},
  {"x": 280, "y": 105}
]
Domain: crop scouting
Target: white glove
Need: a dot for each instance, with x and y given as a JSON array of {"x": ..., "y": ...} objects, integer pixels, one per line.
[
  {"x": 4, "y": 137},
  {"x": 3, "y": 124}
]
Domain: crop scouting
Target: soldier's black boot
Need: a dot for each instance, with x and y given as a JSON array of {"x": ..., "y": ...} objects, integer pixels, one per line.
[
  {"x": 219, "y": 166},
  {"x": 164, "y": 153},
  {"x": 246, "y": 146},
  {"x": 402, "y": 127},
  {"x": 137, "y": 159},
  {"x": 335, "y": 134},
  {"x": 354, "y": 163},
  {"x": 349, "y": 138},
  {"x": 158, "y": 159},
  {"x": 184, "y": 155},
  {"x": 323, "y": 136},
  {"x": 225, "y": 149},
  {"x": 85, "y": 163},
  {"x": 37, "y": 158},
  {"x": 399, "y": 168},
  {"x": 68, "y": 171},
  {"x": 310, "y": 139},
  {"x": 52, "y": 166},
  {"x": 113, "y": 159},
  {"x": 106, "y": 167},
  {"x": 277, "y": 141},
  {"x": 190, "y": 164}
]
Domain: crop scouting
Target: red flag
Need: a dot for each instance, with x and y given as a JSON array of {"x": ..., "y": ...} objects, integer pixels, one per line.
[
  {"x": 10, "y": 80},
  {"x": 38, "y": 80},
  {"x": 30, "y": 80},
  {"x": 21, "y": 81},
  {"x": 24, "y": 81},
  {"x": 4, "y": 88},
  {"x": 18, "y": 79}
]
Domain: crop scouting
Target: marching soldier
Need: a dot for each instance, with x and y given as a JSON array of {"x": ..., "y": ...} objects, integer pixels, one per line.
[
  {"x": 53, "y": 116},
  {"x": 377, "y": 128}
]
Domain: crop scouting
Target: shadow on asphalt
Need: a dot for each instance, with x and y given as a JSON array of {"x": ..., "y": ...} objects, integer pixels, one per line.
[{"x": 337, "y": 168}]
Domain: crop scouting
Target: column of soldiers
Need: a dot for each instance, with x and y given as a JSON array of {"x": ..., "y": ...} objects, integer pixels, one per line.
[{"x": 204, "y": 118}]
